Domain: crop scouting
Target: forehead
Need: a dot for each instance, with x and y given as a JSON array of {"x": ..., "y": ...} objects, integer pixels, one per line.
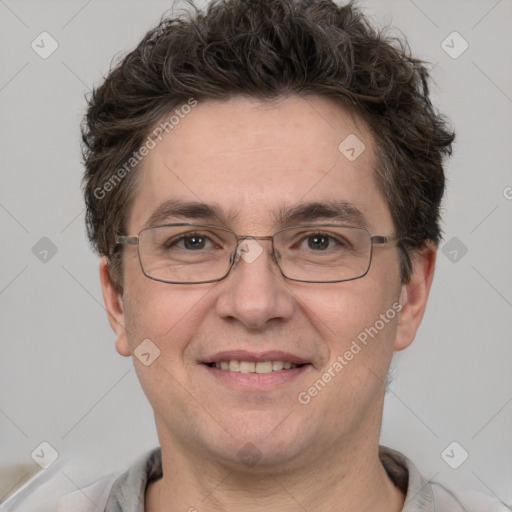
[{"x": 254, "y": 161}]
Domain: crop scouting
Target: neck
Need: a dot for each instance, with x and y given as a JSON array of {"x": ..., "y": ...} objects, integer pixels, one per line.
[{"x": 349, "y": 480}]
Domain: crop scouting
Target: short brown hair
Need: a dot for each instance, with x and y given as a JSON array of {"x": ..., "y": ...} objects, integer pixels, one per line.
[{"x": 267, "y": 49}]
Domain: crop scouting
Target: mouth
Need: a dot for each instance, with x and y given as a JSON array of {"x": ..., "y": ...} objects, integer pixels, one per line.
[
  {"x": 255, "y": 371},
  {"x": 236, "y": 365}
]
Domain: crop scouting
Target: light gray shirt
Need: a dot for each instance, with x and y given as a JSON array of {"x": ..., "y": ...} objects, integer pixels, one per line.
[{"x": 126, "y": 492}]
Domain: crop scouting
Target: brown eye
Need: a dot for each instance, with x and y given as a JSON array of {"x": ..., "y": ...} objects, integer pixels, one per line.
[
  {"x": 318, "y": 242},
  {"x": 194, "y": 242},
  {"x": 189, "y": 242}
]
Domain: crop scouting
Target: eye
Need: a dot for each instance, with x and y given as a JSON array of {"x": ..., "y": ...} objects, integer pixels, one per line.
[
  {"x": 323, "y": 241},
  {"x": 190, "y": 242},
  {"x": 318, "y": 242}
]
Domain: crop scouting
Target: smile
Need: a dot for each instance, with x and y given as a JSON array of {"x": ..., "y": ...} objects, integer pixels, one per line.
[{"x": 235, "y": 365}]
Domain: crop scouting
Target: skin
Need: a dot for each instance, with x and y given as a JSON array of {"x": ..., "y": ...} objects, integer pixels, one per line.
[{"x": 250, "y": 158}]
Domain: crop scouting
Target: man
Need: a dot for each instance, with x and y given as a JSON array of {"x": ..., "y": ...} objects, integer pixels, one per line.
[{"x": 263, "y": 183}]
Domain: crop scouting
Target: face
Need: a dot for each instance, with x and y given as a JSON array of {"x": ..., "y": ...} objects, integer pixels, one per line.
[{"x": 253, "y": 161}]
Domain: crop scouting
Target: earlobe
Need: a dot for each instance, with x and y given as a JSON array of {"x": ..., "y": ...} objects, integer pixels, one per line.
[
  {"x": 114, "y": 306},
  {"x": 414, "y": 295}
]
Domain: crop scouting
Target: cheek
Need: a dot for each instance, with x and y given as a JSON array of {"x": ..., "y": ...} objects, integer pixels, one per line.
[
  {"x": 347, "y": 309},
  {"x": 164, "y": 313},
  {"x": 169, "y": 317},
  {"x": 358, "y": 328},
  {"x": 357, "y": 322}
]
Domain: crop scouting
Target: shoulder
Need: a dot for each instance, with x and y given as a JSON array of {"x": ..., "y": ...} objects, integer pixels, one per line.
[
  {"x": 89, "y": 499},
  {"x": 116, "y": 492},
  {"x": 460, "y": 500},
  {"x": 56, "y": 491},
  {"x": 431, "y": 496}
]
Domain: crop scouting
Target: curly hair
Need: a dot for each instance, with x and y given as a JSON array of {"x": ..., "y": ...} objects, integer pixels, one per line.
[{"x": 268, "y": 49}]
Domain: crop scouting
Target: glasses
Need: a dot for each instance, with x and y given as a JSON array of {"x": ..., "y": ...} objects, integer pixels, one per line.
[{"x": 195, "y": 253}]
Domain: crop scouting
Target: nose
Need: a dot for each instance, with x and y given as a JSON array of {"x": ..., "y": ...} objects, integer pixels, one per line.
[{"x": 254, "y": 293}]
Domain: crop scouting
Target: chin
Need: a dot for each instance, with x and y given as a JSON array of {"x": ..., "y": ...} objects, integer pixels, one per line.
[{"x": 260, "y": 442}]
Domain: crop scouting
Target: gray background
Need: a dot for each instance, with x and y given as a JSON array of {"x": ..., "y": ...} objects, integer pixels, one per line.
[{"x": 61, "y": 380}]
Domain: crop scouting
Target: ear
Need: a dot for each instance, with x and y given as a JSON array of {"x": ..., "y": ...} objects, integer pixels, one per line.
[
  {"x": 414, "y": 295},
  {"x": 114, "y": 306}
]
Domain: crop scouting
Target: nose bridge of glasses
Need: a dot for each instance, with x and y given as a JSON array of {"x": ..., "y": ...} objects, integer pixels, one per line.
[
  {"x": 249, "y": 249},
  {"x": 247, "y": 237}
]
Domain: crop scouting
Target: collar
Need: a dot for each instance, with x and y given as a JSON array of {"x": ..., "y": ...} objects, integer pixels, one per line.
[{"x": 129, "y": 489}]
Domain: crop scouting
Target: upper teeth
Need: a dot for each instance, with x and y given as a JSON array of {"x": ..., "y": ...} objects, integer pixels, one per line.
[{"x": 254, "y": 367}]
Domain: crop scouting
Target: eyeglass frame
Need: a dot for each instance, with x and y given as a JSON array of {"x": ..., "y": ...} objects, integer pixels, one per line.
[{"x": 234, "y": 257}]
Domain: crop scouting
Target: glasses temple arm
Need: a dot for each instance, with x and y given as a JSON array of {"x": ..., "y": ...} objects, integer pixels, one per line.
[
  {"x": 127, "y": 240},
  {"x": 383, "y": 239}
]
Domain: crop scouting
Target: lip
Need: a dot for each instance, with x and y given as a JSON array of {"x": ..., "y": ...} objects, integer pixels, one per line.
[
  {"x": 255, "y": 381},
  {"x": 245, "y": 355}
]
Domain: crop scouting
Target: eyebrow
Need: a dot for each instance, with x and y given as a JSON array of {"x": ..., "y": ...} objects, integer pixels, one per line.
[
  {"x": 174, "y": 209},
  {"x": 341, "y": 211},
  {"x": 188, "y": 210}
]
